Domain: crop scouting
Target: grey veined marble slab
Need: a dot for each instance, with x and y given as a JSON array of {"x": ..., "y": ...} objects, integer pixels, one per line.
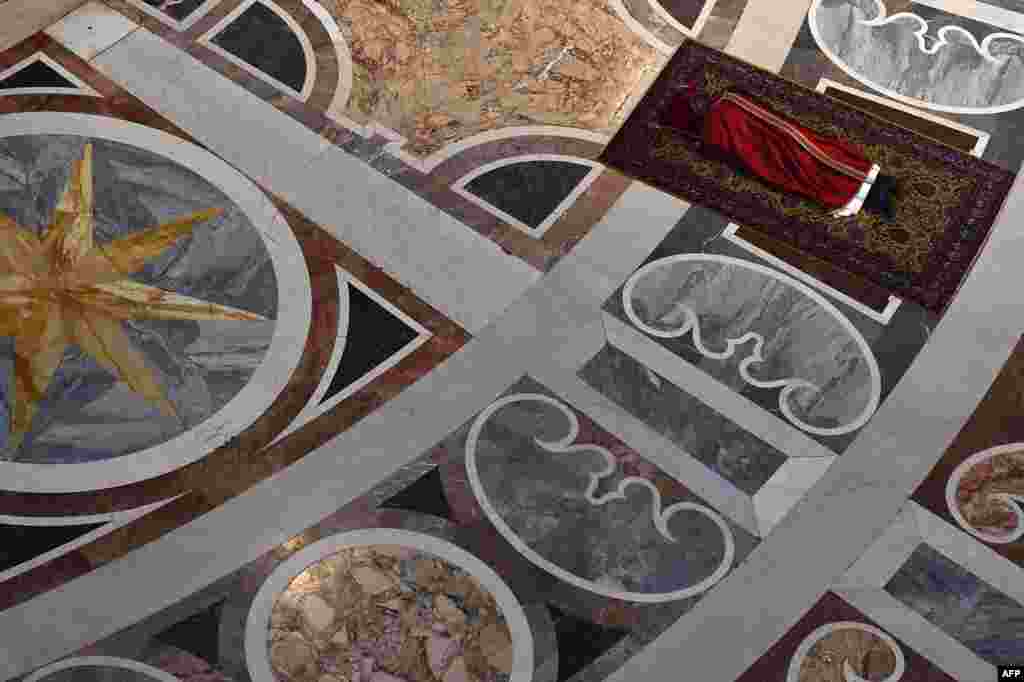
[
  {"x": 935, "y": 64},
  {"x": 712, "y": 438},
  {"x": 762, "y": 334},
  {"x": 86, "y": 414},
  {"x": 982, "y": 618},
  {"x": 583, "y": 506}
]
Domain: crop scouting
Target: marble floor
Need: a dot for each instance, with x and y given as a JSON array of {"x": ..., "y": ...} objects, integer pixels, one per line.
[{"x": 361, "y": 368}]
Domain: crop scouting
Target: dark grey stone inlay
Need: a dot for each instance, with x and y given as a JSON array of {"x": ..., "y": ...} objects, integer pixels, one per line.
[
  {"x": 23, "y": 543},
  {"x": 198, "y": 634},
  {"x": 736, "y": 455},
  {"x": 36, "y": 75},
  {"x": 982, "y": 618},
  {"x": 580, "y": 642},
  {"x": 374, "y": 335},
  {"x": 261, "y": 38},
  {"x": 528, "y": 191},
  {"x": 425, "y": 495}
]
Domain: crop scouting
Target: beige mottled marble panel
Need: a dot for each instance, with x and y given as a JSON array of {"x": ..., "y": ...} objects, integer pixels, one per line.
[{"x": 436, "y": 77}]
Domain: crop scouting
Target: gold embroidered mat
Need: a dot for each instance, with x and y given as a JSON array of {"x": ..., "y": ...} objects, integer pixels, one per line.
[{"x": 948, "y": 201}]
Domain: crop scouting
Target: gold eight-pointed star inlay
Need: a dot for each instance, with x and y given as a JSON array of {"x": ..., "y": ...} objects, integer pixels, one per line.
[{"x": 64, "y": 289}]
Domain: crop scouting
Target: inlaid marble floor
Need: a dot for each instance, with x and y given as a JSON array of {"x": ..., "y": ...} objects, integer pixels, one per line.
[{"x": 330, "y": 353}]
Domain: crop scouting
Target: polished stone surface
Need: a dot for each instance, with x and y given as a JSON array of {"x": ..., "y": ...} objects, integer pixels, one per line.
[
  {"x": 719, "y": 443},
  {"x": 88, "y": 413},
  {"x": 278, "y": 52},
  {"x": 653, "y": 505},
  {"x": 983, "y": 618}
]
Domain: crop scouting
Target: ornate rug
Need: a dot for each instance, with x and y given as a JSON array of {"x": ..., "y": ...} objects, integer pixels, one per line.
[{"x": 948, "y": 202}]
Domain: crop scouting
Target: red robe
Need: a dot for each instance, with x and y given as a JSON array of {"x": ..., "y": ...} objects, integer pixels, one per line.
[{"x": 779, "y": 150}]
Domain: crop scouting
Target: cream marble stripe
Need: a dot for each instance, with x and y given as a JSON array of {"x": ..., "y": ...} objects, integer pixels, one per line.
[
  {"x": 91, "y": 29},
  {"x": 864, "y": 490},
  {"x": 886, "y": 555},
  {"x": 21, "y": 18},
  {"x": 464, "y": 275},
  {"x": 766, "y": 31}
]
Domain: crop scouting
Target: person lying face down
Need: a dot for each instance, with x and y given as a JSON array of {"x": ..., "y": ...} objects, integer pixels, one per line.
[{"x": 744, "y": 134}]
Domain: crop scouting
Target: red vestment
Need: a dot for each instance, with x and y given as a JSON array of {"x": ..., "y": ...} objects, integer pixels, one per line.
[{"x": 778, "y": 150}]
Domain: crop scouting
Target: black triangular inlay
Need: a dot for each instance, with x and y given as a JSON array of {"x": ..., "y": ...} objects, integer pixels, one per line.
[
  {"x": 580, "y": 642},
  {"x": 261, "y": 38},
  {"x": 530, "y": 190},
  {"x": 36, "y": 75},
  {"x": 22, "y": 543},
  {"x": 198, "y": 635},
  {"x": 374, "y": 335},
  {"x": 425, "y": 495}
]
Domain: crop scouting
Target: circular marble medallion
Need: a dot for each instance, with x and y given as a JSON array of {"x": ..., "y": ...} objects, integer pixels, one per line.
[
  {"x": 985, "y": 492},
  {"x": 387, "y": 605},
  {"x": 139, "y": 318}
]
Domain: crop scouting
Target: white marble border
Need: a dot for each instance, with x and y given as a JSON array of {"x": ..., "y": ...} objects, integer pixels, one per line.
[
  {"x": 257, "y": 623},
  {"x": 882, "y": 19},
  {"x": 294, "y": 315},
  {"x": 104, "y": 662},
  {"x": 884, "y": 317},
  {"x": 314, "y": 408},
  {"x": 884, "y": 557},
  {"x": 81, "y": 87},
  {"x": 698, "y": 23},
  {"x": 953, "y": 482},
  {"x": 207, "y": 41},
  {"x": 459, "y": 187},
  {"x": 565, "y": 446},
  {"x": 981, "y": 135},
  {"x": 788, "y": 385},
  {"x": 184, "y": 25},
  {"x": 114, "y": 520},
  {"x": 797, "y": 661},
  {"x": 786, "y": 487}
]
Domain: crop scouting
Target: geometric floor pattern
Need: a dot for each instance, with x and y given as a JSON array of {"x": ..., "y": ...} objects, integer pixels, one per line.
[{"x": 330, "y": 353}]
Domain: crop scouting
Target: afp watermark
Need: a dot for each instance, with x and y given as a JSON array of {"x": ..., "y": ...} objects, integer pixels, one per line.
[{"x": 1010, "y": 672}]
